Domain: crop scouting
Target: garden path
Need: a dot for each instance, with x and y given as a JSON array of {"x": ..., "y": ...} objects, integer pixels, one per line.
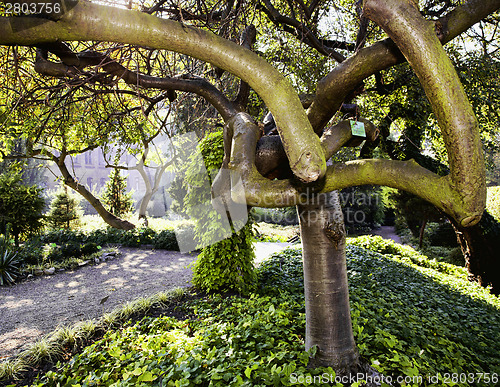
[
  {"x": 387, "y": 232},
  {"x": 33, "y": 308}
]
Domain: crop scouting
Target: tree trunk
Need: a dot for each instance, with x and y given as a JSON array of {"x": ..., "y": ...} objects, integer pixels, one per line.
[
  {"x": 481, "y": 245},
  {"x": 422, "y": 232},
  {"x": 107, "y": 216},
  {"x": 328, "y": 318}
]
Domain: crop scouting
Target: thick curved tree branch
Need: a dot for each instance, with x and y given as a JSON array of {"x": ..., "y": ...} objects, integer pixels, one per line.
[
  {"x": 89, "y": 21},
  {"x": 333, "y": 89},
  {"x": 262, "y": 192},
  {"x": 451, "y": 106},
  {"x": 270, "y": 155}
]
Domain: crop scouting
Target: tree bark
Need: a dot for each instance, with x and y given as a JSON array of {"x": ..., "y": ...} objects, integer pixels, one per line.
[
  {"x": 328, "y": 317},
  {"x": 480, "y": 245}
]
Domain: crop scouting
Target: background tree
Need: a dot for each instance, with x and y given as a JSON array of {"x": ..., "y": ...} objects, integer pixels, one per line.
[
  {"x": 115, "y": 196},
  {"x": 289, "y": 168},
  {"x": 64, "y": 210},
  {"x": 21, "y": 206}
]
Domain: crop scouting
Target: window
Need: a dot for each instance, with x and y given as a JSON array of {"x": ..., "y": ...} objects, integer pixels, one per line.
[
  {"x": 88, "y": 158},
  {"x": 90, "y": 183}
]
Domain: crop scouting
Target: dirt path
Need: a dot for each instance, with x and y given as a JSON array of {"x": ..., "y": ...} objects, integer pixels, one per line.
[
  {"x": 387, "y": 232},
  {"x": 36, "y": 307},
  {"x": 30, "y": 309}
]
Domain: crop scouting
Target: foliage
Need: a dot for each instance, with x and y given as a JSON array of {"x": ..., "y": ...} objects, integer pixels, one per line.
[
  {"x": 9, "y": 263},
  {"x": 71, "y": 249},
  {"x": 493, "y": 202},
  {"x": 405, "y": 254},
  {"x": 259, "y": 340},
  {"x": 166, "y": 240},
  {"x": 363, "y": 208},
  {"x": 227, "y": 264},
  {"x": 129, "y": 238},
  {"x": 443, "y": 235},
  {"x": 268, "y": 232},
  {"x": 64, "y": 211},
  {"x": 31, "y": 252},
  {"x": 21, "y": 206},
  {"x": 115, "y": 197}
]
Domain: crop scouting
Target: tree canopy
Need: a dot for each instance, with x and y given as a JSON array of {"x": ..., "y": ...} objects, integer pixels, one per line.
[{"x": 115, "y": 66}]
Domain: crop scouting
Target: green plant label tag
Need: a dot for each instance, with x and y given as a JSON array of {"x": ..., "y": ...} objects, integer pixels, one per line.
[{"x": 358, "y": 128}]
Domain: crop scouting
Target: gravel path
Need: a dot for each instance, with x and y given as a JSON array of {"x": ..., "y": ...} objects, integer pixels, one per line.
[
  {"x": 30, "y": 309},
  {"x": 387, "y": 232},
  {"x": 36, "y": 307}
]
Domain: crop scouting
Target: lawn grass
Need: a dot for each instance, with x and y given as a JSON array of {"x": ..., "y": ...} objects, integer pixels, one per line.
[{"x": 414, "y": 319}]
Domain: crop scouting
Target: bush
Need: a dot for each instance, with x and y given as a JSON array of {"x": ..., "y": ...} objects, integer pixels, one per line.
[
  {"x": 9, "y": 264},
  {"x": 21, "y": 206},
  {"x": 64, "y": 210},
  {"x": 493, "y": 202},
  {"x": 31, "y": 252},
  {"x": 226, "y": 265},
  {"x": 89, "y": 248},
  {"x": 443, "y": 235},
  {"x": 166, "y": 240}
]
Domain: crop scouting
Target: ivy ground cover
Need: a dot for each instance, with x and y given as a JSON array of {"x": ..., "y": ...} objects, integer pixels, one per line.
[{"x": 418, "y": 322}]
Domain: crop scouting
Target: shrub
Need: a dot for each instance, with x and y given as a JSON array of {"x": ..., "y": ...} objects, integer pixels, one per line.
[
  {"x": 493, "y": 202},
  {"x": 115, "y": 197},
  {"x": 89, "y": 248},
  {"x": 166, "y": 240},
  {"x": 64, "y": 210},
  {"x": 21, "y": 206},
  {"x": 31, "y": 252},
  {"x": 226, "y": 265},
  {"x": 9, "y": 264}
]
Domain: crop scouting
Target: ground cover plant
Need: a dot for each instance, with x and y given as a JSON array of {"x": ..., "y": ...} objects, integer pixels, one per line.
[{"x": 418, "y": 322}]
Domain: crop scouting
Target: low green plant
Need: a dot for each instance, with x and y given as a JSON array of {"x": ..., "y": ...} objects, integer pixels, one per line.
[
  {"x": 9, "y": 263},
  {"x": 31, "y": 252},
  {"x": 67, "y": 336},
  {"x": 45, "y": 349},
  {"x": 166, "y": 240},
  {"x": 11, "y": 369},
  {"x": 259, "y": 340}
]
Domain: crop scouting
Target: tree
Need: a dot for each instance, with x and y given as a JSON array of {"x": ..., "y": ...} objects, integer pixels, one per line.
[
  {"x": 64, "y": 210},
  {"x": 289, "y": 168},
  {"x": 21, "y": 206},
  {"x": 115, "y": 196}
]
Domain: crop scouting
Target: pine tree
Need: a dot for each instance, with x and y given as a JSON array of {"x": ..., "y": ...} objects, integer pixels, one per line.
[
  {"x": 115, "y": 197},
  {"x": 64, "y": 210}
]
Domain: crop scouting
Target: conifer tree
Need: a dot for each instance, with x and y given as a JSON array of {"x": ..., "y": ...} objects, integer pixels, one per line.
[
  {"x": 115, "y": 197},
  {"x": 64, "y": 210}
]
